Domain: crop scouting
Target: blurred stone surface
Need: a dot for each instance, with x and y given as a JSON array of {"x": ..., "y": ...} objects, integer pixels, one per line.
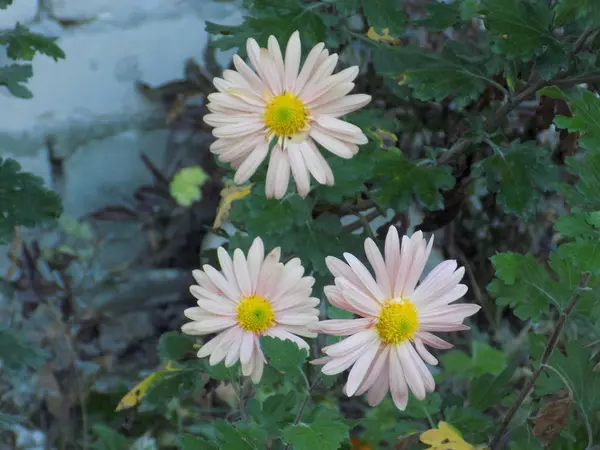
[
  {"x": 87, "y": 105},
  {"x": 22, "y": 11}
]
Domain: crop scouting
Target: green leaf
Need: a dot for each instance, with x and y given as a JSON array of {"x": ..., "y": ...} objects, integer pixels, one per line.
[
  {"x": 185, "y": 187},
  {"x": 169, "y": 386},
  {"x": 586, "y": 114},
  {"x": 587, "y": 170},
  {"x": 382, "y": 423},
  {"x": 521, "y": 27},
  {"x": 23, "y": 44},
  {"x": 488, "y": 390},
  {"x": 422, "y": 409},
  {"x": 220, "y": 372},
  {"x": 109, "y": 439},
  {"x": 189, "y": 442},
  {"x": 5, "y": 3},
  {"x": 569, "y": 10},
  {"x": 350, "y": 176},
  {"x": 285, "y": 356},
  {"x": 13, "y": 77},
  {"x": 472, "y": 423},
  {"x": 459, "y": 70},
  {"x": 582, "y": 254},
  {"x": 440, "y": 16},
  {"x": 16, "y": 354},
  {"x": 400, "y": 178},
  {"x": 325, "y": 432},
  {"x": 520, "y": 174},
  {"x": 484, "y": 359},
  {"x": 576, "y": 365},
  {"x": 240, "y": 436},
  {"x": 23, "y": 200},
  {"x": 319, "y": 238},
  {"x": 385, "y": 14},
  {"x": 275, "y": 411},
  {"x": 527, "y": 287},
  {"x": 578, "y": 224},
  {"x": 174, "y": 345}
]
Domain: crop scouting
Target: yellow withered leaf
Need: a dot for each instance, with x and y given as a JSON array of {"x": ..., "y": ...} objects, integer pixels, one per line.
[
  {"x": 444, "y": 437},
  {"x": 135, "y": 396},
  {"x": 229, "y": 194},
  {"x": 385, "y": 37}
]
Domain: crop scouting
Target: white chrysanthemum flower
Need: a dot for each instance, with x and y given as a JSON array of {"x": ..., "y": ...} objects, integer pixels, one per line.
[
  {"x": 247, "y": 299},
  {"x": 386, "y": 347},
  {"x": 298, "y": 108}
]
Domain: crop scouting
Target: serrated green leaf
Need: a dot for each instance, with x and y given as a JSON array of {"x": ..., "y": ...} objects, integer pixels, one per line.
[
  {"x": 569, "y": 10},
  {"x": 400, "y": 179},
  {"x": 576, "y": 365},
  {"x": 22, "y": 44},
  {"x": 319, "y": 238},
  {"x": 586, "y": 114},
  {"x": 527, "y": 287},
  {"x": 240, "y": 436},
  {"x": 174, "y": 345},
  {"x": 385, "y": 14},
  {"x": 521, "y": 27},
  {"x": 169, "y": 386},
  {"x": 422, "y": 409},
  {"x": 459, "y": 70},
  {"x": 472, "y": 423},
  {"x": 587, "y": 170},
  {"x": 285, "y": 356},
  {"x": 487, "y": 390},
  {"x": 276, "y": 411},
  {"x": 578, "y": 224},
  {"x": 324, "y": 432},
  {"x": 441, "y": 16},
  {"x": 23, "y": 199},
  {"x": 484, "y": 359},
  {"x": 14, "y": 76},
  {"x": 583, "y": 254},
  {"x": 520, "y": 174},
  {"x": 189, "y": 442},
  {"x": 220, "y": 372}
]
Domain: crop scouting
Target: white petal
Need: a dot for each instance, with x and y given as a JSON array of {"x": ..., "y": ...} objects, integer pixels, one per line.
[
  {"x": 368, "y": 306},
  {"x": 299, "y": 170},
  {"x": 360, "y": 368},
  {"x": 380, "y": 388},
  {"x": 209, "y": 325},
  {"x": 316, "y": 164},
  {"x": 246, "y": 347},
  {"x": 335, "y": 146},
  {"x": 344, "y": 105},
  {"x": 256, "y": 256},
  {"x": 251, "y": 163},
  {"x": 282, "y": 177},
  {"x": 229, "y": 289},
  {"x": 343, "y": 327},
  {"x": 292, "y": 60},
  {"x": 376, "y": 260},
  {"x": 364, "y": 276},
  {"x": 308, "y": 67},
  {"x": 351, "y": 343},
  {"x": 397, "y": 380},
  {"x": 241, "y": 272}
]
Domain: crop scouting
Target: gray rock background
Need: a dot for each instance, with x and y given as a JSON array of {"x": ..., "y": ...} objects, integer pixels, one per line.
[{"x": 87, "y": 104}]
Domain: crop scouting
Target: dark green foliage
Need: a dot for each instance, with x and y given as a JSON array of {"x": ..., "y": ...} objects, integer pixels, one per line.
[{"x": 23, "y": 199}]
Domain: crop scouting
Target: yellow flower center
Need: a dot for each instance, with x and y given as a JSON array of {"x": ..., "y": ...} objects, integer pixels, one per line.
[
  {"x": 285, "y": 115},
  {"x": 255, "y": 313},
  {"x": 397, "y": 321}
]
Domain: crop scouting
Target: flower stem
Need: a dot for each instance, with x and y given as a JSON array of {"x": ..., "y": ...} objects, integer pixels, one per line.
[{"x": 552, "y": 342}]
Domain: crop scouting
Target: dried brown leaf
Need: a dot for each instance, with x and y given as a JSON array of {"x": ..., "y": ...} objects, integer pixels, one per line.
[{"x": 552, "y": 418}]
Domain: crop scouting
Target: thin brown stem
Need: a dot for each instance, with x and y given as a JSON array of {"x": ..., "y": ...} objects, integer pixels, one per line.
[
  {"x": 303, "y": 404},
  {"x": 552, "y": 342}
]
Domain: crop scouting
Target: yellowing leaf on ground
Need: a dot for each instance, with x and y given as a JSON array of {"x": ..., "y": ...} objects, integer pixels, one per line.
[
  {"x": 229, "y": 194},
  {"x": 385, "y": 37},
  {"x": 135, "y": 396},
  {"x": 445, "y": 437},
  {"x": 186, "y": 185}
]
